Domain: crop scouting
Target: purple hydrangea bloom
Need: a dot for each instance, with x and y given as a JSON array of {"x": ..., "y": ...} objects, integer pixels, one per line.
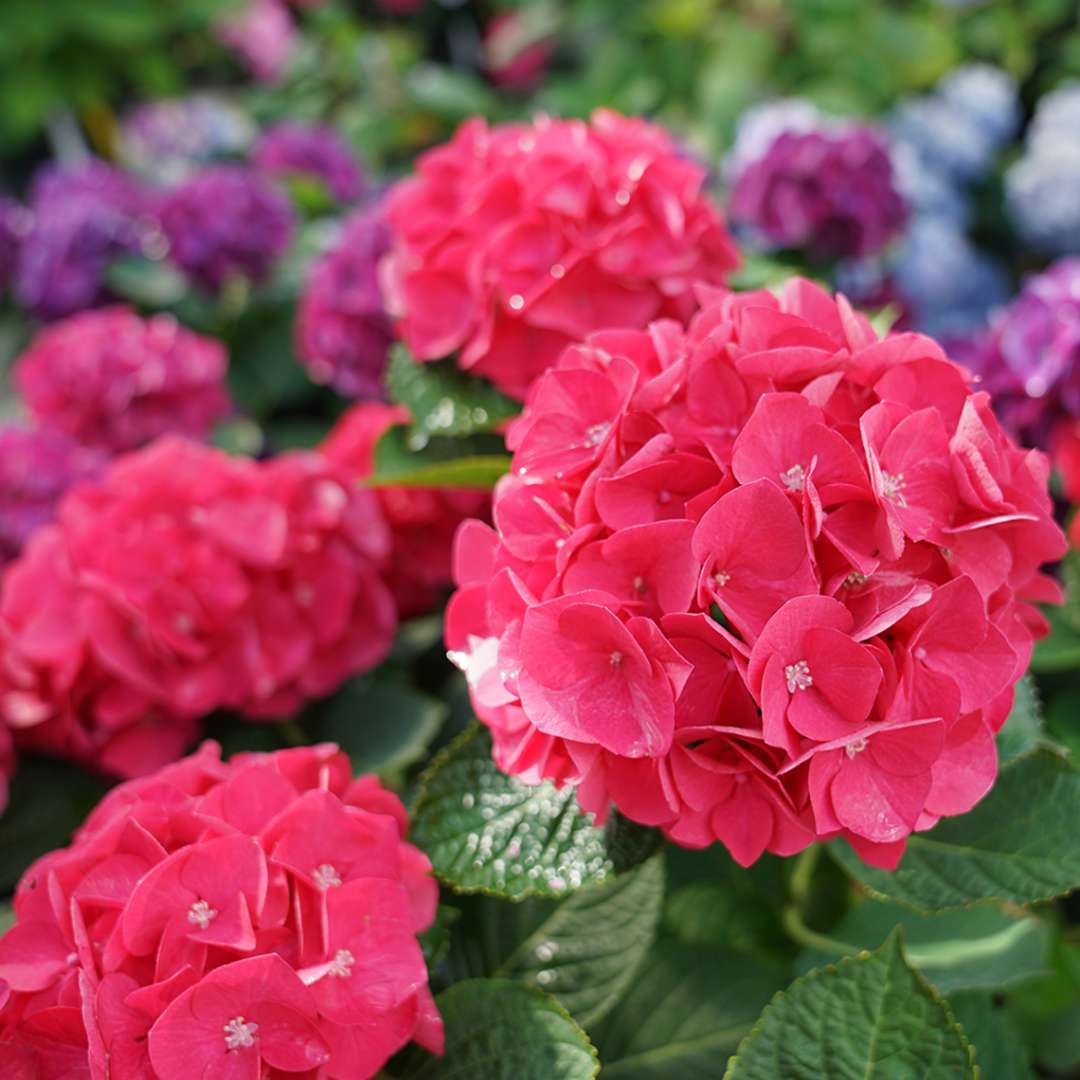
[
  {"x": 170, "y": 139},
  {"x": 831, "y": 191},
  {"x": 1030, "y": 358},
  {"x": 310, "y": 150},
  {"x": 224, "y": 222},
  {"x": 36, "y": 468},
  {"x": 82, "y": 218},
  {"x": 343, "y": 333}
]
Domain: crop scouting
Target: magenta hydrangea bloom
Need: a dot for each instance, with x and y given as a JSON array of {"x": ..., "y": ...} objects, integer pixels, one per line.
[
  {"x": 82, "y": 218},
  {"x": 36, "y": 467},
  {"x": 185, "y": 581},
  {"x": 226, "y": 221},
  {"x": 263, "y": 35},
  {"x": 243, "y": 919},
  {"x": 112, "y": 379},
  {"x": 310, "y": 150},
  {"x": 767, "y": 580},
  {"x": 830, "y": 191},
  {"x": 343, "y": 333},
  {"x": 511, "y": 242},
  {"x": 1029, "y": 360}
]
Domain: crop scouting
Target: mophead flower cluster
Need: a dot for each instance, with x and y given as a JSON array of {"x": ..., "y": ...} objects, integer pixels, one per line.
[
  {"x": 187, "y": 581},
  {"x": 111, "y": 379},
  {"x": 252, "y": 918},
  {"x": 761, "y": 581},
  {"x": 512, "y": 242}
]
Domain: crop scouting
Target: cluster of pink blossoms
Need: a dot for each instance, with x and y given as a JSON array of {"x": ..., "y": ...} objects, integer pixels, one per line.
[
  {"x": 250, "y": 919},
  {"x": 111, "y": 379},
  {"x": 512, "y": 242},
  {"x": 762, "y": 581},
  {"x": 187, "y": 581},
  {"x": 422, "y": 520}
]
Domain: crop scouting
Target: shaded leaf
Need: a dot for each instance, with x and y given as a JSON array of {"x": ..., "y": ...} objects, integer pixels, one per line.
[
  {"x": 980, "y": 949},
  {"x": 500, "y": 1030},
  {"x": 1000, "y": 1050},
  {"x": 439, "y": 462},
  {"x": 1020, "y": 844},
  {"x": 684, "y": 1015},
  {"x": 1023, "y": 730}
]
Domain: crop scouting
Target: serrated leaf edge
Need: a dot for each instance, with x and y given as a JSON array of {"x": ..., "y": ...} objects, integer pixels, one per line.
[{"x": 894, "y": 940}]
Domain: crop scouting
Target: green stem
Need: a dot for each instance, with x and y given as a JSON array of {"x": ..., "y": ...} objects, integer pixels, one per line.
[
  {"x": 802, "y": 875},
  {"x": 798, "y": 930}
]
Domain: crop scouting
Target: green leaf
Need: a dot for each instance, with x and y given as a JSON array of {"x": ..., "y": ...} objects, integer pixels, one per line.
[
  {"x": 1000, "y": 1050},
  {"x": 48, "y": 801},
  {"x": 871, "y": 1017},
  {"x": 500, "y": 1030},
  {"x": 1060, "y": 651},
  {"x": 980, "y": 949},
  {"x": 383, "y": 727},
  {"x": 488, "y": 832},
  {"x": 684, "y": 1015},
  {"x": 1023, "y": 731},
  {"x": 585, "y": 950},
  {"x": 443, "y": 400},
  {"x": 1020, "y": 844},
  {"x": 150, "y": 283},
  {"x": 439, "y": 462}
]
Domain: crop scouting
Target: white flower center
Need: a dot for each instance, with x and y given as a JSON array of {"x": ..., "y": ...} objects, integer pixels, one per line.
[
  {"x": 326, "y": 877},
  {"x": 201, "y": 914},
  {"x": 794, "y": 479},
  {"x": 615, "y": 659},
  {"x": 892, "y": 487},
  {"x": 721, "y": 577},
  {"x": 639, "y": 584},
  {"x": 857, "y": 746},
  {"x": 239, "y": 1034},
  {"x": 798, "y": 676},
  {"x": 342, "y": 964}
]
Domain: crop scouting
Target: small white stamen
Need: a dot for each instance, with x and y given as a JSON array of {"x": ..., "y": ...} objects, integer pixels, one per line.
[
  {"x": 239, "y": 1034},
  {"x": 615, "y": 659},
  {"x": 794, "y": 479},
  {"x": 721, "y": 577},
  {"x": 342, "y": 964},
  {"x": 854, "y": 579},
  {"x": 517, "y": 302},
  {"x": 892, "y": 487},
  {"x": 639, "y": 584},
  {"x": 855, "y": 747},
  {"x": 201, "y": 914},
  {"x": 798, "y": 676},
  {"x": 326, "y": 877}
]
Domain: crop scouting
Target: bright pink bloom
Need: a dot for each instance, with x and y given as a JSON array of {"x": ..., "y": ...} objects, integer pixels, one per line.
[
  {"x": 511, "y": 242},
  {"x": 422, "y": 520},
  {"x": 188, "y": 581},
  {"x": 111, "y": 379},
  {"x": 241, "y": 919},
  {"x": 759, "y": 581}
]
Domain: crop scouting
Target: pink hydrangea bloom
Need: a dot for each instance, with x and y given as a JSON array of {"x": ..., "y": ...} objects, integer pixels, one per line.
[
  {"x": 111, "y": 379},
  {"x": 511, "y": 242},
  {"x": 184, "y": 582},
  {"x": 263, "y": 35},
  {"x": 760, "y": 581},
  {"x": 249, "y": 918},
  {"x": 422, "y": 520},
  {"x": 343, "y": 333}
]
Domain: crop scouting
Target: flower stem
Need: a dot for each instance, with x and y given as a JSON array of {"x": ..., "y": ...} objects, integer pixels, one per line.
[{"x": 793, "y": 916}]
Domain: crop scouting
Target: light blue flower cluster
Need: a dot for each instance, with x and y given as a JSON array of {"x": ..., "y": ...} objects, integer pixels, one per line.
[
  {"x": 1042, "y": 189},
  {"x": 942, "y": 143}
]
